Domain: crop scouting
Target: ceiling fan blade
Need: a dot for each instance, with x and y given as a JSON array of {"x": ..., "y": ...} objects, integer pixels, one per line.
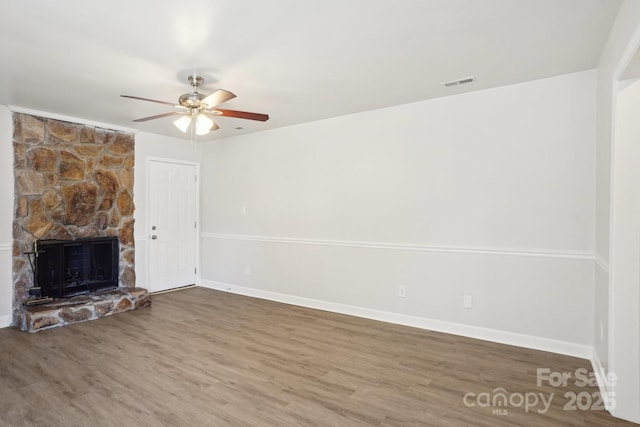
[
  {"x": 240, "y": 114},
  {"x": 152, "y": 100},
  {"x": 159, "y": 116},
  {"x": 217, "y": 98}
]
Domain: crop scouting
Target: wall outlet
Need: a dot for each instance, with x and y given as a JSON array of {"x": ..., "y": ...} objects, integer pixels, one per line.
[
  {"x": 247, "y": 270},
  {"x": 468, "y": 301},
  {"x": 402, "y": 291},
  {"x": 243, "y": 210}
]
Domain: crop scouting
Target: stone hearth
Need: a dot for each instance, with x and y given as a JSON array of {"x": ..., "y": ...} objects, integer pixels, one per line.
[
  {"x": 71, "y": 181},
  {"x": 82, "y": 308}
]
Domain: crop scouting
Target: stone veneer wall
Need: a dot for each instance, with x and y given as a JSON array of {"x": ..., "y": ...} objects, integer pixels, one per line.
[{"x": 71, "y": 181}]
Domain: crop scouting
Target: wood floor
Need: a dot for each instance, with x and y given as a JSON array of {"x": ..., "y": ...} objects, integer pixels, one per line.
[{"x": 199, "y": 357}]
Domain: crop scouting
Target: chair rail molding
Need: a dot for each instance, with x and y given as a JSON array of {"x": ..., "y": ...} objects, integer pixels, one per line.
[{"x": 578, "y": 255}]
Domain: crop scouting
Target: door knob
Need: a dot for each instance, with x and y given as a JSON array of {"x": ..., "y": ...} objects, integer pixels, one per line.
[{"x": 154, "y": 237}]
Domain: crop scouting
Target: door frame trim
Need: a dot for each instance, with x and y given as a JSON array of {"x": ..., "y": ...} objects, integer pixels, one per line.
[{"x": 148, "y": 161}]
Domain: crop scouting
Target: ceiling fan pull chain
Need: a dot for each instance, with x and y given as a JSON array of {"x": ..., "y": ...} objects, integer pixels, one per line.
[{"x": 192, "y": 129}]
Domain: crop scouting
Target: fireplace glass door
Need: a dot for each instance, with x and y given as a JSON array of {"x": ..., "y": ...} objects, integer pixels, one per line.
[{"x": 69, "y": 268}]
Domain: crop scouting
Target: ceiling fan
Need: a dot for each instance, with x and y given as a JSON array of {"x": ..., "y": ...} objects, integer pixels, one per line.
[{"x": 196, "y": 109}]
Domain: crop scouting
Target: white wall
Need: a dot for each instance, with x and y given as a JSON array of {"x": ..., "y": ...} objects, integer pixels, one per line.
[
  {"x": 6, "y": 216},
  {"x": 152, "y": 146},
  {"x": 489, "y": 194},
  {"x": 616, "y": 288}
]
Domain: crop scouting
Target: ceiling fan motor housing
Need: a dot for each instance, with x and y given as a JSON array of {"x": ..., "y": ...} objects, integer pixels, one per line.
[{"x": 191, "y": 99}]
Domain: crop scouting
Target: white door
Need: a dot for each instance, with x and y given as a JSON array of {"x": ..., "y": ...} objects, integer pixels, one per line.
[{"x": 172, "y": 225}]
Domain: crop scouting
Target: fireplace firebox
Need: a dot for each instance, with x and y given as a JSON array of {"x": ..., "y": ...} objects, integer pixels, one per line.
[{"x": 66, "y": 268}]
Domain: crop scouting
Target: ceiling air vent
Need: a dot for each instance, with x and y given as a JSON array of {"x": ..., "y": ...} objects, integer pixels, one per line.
[{"x": 458, "y": 82}]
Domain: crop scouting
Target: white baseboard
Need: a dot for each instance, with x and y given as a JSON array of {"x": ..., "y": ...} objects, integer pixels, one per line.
[
  {"x": 486, "y": 334},
  {"x": 600, "y": 374},
  {"x": 606, "y": 392},
  {"x": 5, "y": 321}
]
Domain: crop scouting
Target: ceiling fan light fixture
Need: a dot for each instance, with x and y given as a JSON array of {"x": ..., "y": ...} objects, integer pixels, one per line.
[
  {"x": 183, "y": 123},
  {"x": 203, "y": 125}
]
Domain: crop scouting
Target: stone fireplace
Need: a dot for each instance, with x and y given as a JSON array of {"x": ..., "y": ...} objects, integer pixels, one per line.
[{"x": 72, "y": 182}]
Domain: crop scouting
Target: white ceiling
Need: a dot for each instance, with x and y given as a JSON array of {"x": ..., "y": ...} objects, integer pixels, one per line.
[{"x": 296, "y": 60}]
